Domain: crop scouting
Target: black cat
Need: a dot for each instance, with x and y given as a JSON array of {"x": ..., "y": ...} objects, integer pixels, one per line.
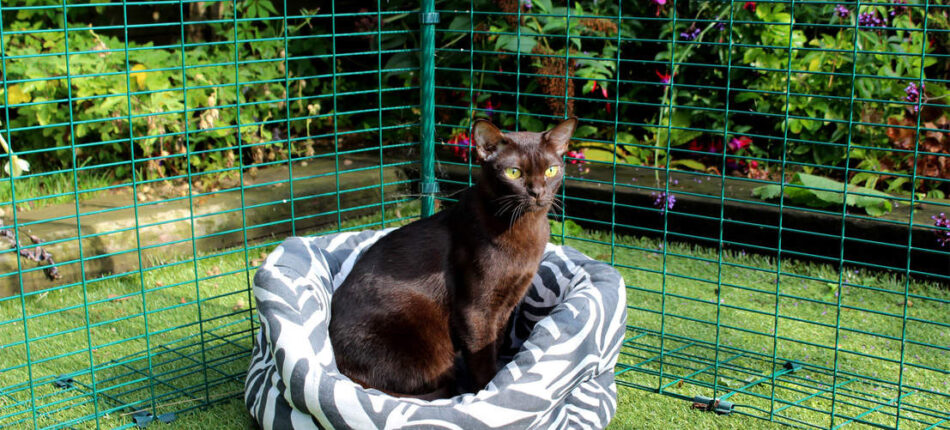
[{"x": 449, "y": 282}]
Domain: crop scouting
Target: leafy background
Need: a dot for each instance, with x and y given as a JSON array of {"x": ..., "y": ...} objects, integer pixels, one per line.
[{"x": 721, "y": 88}]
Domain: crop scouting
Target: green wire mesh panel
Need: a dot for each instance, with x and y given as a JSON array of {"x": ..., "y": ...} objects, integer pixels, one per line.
[
  {"x": 711, "y": 166},
  {"x": 770, "y": 177},
  {"x": 155, "y": 152}
]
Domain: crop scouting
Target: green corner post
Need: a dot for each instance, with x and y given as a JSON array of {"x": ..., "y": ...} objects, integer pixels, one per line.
[{"x": 428, "y": 18}]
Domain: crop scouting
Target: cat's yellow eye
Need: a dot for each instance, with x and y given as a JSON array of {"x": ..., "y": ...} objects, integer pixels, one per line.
[
  {"x": 551, "y": 172},
  {"x": 513, "y": 172}
]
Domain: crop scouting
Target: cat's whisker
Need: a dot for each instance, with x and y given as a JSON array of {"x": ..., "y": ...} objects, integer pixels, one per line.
[
  {"x": 519, "y": 210},
  {"x": 439, "y": 195},
  {"x": 504, "y": 207}
]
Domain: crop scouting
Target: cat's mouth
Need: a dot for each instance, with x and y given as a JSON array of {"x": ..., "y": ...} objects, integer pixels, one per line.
[{"x": 536, "y": 204}]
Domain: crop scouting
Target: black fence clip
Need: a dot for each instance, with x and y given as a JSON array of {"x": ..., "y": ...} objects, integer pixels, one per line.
[
  {"x": 64, "y": 382},
  {"x": 142, "y": 418},
  {"x": 721, "y": 407}
]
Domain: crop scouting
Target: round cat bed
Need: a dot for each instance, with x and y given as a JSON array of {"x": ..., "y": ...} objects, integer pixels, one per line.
[{"x": 558, "y": 357}]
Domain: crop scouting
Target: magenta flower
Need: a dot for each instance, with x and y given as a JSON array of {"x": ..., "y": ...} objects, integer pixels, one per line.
[
  {"x": 870, "y": 19},
  {"x": 899, "y": 8},
  {"x": 912, "y": 92},
  {"x": 460, "y": 144},
  {"x": 664, "y": 77},
  {"x": 737, "y": 143},
  {"x": 842, "y": 11},
  {"x": 943, "y": 225},
  {"x": 490, "y": 107},
  {"x": 690, "y": 34},
  {"x": 663, "y": 201},
  {"x": 576, "y": 157}
]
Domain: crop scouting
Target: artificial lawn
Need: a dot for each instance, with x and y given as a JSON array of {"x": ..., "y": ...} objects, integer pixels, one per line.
[{"x": 56, "y": 323}]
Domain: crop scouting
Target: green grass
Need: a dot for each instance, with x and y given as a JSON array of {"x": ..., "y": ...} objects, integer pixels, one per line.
[
  {"x": 39, "y": 191},
  {"x": 869, "y": 333},
  {"x": 175, "y": 299}
]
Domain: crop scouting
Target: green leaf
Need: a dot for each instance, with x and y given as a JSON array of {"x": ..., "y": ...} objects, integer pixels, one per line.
[
  {"x": 510, "y": 42},
  {"x": 767, "y": 192},
  {"x": 689, "y": 164},
  {"x": 896, "y": 184},
  {"x": 530, "y": 123},
  {"x": 585, "y": 131},
  {"x": 795, "y": 125},
  {"x": 826, "y": 189},
  {"x": 554, "y": 25},
  {"x": 544, "y": 6},
  {"x": 460, "y": 22}
]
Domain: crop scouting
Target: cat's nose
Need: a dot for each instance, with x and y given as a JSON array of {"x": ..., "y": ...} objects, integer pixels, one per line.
[{"x": 535, "y": 191}]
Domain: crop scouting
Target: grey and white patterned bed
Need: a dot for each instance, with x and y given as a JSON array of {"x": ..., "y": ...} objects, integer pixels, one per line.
[{"x": 565, "y": 338}]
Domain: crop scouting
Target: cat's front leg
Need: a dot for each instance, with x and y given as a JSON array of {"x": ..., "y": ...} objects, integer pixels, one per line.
[{"x": 479, "y": 348}]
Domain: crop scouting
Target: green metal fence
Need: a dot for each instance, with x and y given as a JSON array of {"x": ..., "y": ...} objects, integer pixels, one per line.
[{"x": 770, "y": 178}]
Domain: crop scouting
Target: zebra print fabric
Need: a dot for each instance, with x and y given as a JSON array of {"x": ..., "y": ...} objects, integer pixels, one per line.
[{"x": 562, "y": 348}]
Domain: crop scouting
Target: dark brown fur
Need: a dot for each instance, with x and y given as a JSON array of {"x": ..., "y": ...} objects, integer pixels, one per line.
[{"x": 448, "y": 283}]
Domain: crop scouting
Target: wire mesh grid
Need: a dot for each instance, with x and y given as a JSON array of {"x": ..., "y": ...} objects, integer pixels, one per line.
[
  {"x": 155, "y": 151},
  {"x": 712, "y": 131}
]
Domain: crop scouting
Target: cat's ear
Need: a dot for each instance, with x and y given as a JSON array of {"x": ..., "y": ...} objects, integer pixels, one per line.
[
  {"x": 488, "y": 139},
  {"x": 559, "y": 137}
]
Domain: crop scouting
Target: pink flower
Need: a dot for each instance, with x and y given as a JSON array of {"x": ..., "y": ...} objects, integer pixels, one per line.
[
  {"x": 603, "y": 89},
  {"x": 664, "y": 77},
  {"x": 490, "y": 107},
  {"x": 749, "y": 6},
  {"x": 737, "y": 143},
  {"x": 460, "y": 145},
  {"x": 575, "y": 157}
]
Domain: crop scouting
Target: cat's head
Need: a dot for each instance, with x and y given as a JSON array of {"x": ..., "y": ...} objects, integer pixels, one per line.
[{"x": 522, "y": 169}]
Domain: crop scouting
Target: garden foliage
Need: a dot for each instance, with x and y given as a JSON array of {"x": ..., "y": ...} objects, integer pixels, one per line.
[{"x": 764, "y": 90}]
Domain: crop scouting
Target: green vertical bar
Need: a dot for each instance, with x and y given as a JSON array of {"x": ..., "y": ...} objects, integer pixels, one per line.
[
  {"x": 722, "y": 203},
  {"x": 379, "y": 111},
  {"x": 289, "y": 130},
  {"x": 778, "y": 257},
  {"x": 336, "y": 122},
  {"x": 613, "y": 161},
  {"x": 910, "y": 222},
  {"x": 428, "y": 19},
  {"x": 471, "y": 82},
  {"x": 517, "y": 69},
  {"x": 16, "y": 234},
  {"x": 191, "y": 200},
  {"x": 135, "y": 206},
  {"x": 143, "y": 291},
  {"x": 666, "y": 189},
  {"x": 844, "y": 219},
  {"x": 565, "y": 114},
  {"x": 241, "y": 166}
]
